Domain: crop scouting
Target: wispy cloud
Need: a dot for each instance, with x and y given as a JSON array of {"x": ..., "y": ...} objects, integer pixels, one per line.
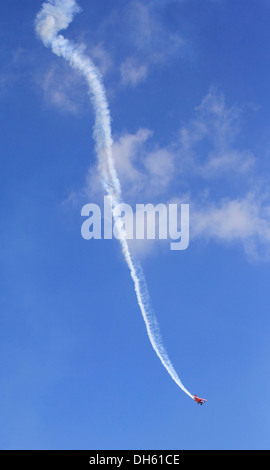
[
  {"x": 206, "y": 149},
  {"x": 187, "y": 170},
  {"x": 149, "y": 33},
  {"x": 55, "y": 83},
  {"x": 60, "y": 88},
  {"x": 150, "y": 41},
  {"x": 132, "y": 72},
  {"x": 207, "y": 142},
  {"x": 18, "y": 65},
  {"x": 101, "y": 57},
  {"x": 144, "y": 168},
  {"x": 245, "y": 221}
]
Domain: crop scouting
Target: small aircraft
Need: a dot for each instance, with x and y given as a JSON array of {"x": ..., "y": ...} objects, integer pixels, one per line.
[{"x": 198, "y": 400}]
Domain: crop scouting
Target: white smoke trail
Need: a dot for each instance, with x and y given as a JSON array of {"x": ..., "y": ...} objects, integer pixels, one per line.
[{"x": 56, "y": 15}]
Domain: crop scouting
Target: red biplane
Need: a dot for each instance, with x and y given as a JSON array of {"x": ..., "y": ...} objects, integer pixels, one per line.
[{"x": 198, "y": 400}]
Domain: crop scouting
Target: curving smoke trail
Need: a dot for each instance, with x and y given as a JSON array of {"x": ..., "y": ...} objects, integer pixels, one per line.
[{"x": 56, "y": 15}]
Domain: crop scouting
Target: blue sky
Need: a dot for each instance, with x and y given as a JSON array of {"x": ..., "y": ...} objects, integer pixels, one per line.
[{"x": 187, "y": 83}]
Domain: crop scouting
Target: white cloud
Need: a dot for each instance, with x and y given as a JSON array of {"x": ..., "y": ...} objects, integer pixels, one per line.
[
  {"x": 207, "y": 143},
  {"x": 245, "y": 220},
  {"x": 149, "y": 34},
  {"x": 151, "y": 42},
  {"x": 206, "y": 149},
  {"x": 61, "y": 88},
  {"x": 160, "y": 164},
  {"x": 101, "y": 58},
  {"x": 127, "y": 150},
  {"x": 132, "y": 72},
  {"x": 205, "y": 153},
  {"x": 145, "y": 170}
]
